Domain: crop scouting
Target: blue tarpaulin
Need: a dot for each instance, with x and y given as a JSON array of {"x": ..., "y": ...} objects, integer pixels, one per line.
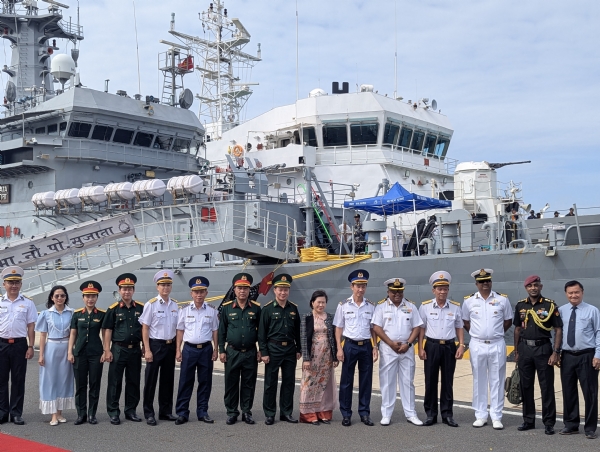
[{"x": 397, "y": 200}]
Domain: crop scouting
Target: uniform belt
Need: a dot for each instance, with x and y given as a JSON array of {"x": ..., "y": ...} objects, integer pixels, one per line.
[
  {"x": 243, "y": 350},
  {"x": 128, "y": 344},
  {"x": 535, "y": 343},
  {"x": 579, "y": 352},
  {"x": 487, "y": 341},
  {"x": 58, "y": 339},
  {"x": 359, "y": 343},
  {"x": 440, "y": 341},
  {"x": 281, "y": 343},
  {"x": 163, "y": 341},
  {"x": 205, "y": 344},
  {"x": 13, "y": 340}
]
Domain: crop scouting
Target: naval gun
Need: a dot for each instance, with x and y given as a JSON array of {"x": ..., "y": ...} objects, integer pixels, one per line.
[{"x": 501, "y": 165}]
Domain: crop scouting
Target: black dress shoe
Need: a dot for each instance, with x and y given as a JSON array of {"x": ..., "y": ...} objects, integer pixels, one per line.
[
  {"x": 167, "y": 417},
  {"x": 151, "y": 420},
  {"x": 80, "y": 420},
  {"x": 231, "y": 420},
  {"x": 247, "y": 418},
  {"x": 569, "y": 431},
  {"x": 133, "y": 417},
  {"x": 325, "y": 421},
  {"x": 288, "y": 418},
  {"x": 346, "y": 422},
  {"x": 181, "y": 420},
  {"x": 270, "y": 420},
  {"x": 430, "y": 421},
  {"x": 114, "y": 420},
  {"x": 366, "y": 420},
  {"x": 449, "y": 421},
  {"x": 549, "y": 430},
  {"x": 18, "y": 420},
  {"x": 591, "y": 435},
  {"x": 4, "y": 420},
  {"x": 315, "y": 422},
  {"x": 92, "y": 420},
  {"x": 207, "y": 419},
  {"x": 526, "y": 426}
]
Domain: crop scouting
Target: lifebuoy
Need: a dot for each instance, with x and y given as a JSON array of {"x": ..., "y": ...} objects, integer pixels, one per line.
[{"x": 238, "y": 150}]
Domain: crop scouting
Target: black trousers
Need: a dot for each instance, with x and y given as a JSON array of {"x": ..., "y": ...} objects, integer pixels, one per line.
[
  {"x": 13, "y": 366},
  {"x": 534, "y": 360},
  {"x": 576, "y": 368},
  {"x": 195, "y": 361},
  {"x": 283, "y": 358},
  {"x": 241, "y": 370},
  {"x": 87, "y": 368},
  {"x": 126, "y": 361},
  {"x": 163, "y": 362},
  {"x": 363, "y": 356},
  {"x": 439, "y": 357}
]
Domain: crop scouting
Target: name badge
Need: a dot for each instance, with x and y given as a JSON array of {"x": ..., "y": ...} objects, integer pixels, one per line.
[
  {"x": 96, "y": 320},
  {"x": 3, "y": 309}
]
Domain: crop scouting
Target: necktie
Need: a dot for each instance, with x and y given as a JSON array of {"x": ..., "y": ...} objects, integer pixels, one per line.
[{"x": 572, "y": 322}]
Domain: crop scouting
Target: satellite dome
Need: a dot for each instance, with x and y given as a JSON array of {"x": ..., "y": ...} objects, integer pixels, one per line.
[
  {"x": 62, "y": 68},
  {"x": 317, "y": 92}
]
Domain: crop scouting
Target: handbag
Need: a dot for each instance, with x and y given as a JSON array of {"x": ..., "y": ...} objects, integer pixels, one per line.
[{"x": 512, "y": 386}]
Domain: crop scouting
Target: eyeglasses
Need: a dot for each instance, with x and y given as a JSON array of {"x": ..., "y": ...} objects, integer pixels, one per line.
[
  {"x": 59, "y": 295},
  {"x": 12, "y": 283}
]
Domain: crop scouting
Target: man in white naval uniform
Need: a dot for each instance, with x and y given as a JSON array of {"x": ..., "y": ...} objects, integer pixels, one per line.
[
  {"x": 396, "y": 321},
  {"x": 487, "y": 315}
]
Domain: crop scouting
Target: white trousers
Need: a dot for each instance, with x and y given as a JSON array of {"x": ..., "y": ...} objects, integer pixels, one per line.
[
  {"x": 488, "y": 362},
  {"x": 396, "y": 370}
]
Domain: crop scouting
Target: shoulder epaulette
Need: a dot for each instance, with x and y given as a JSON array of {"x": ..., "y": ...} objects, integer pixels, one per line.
[
  {"x": 410, "y": 301},
  {"x": 139, "y": 303},
  {"x": 229, "y": 302},
  {"x": 101, "y": 310},
  {"x": 209, "y": 305},
  {"x": 524, "y": 300},
  {"x": 174, "y": 300},
  {"x": 183, "y": 304},
  {"x": 253, "y": 302},
  {"x": 455, "y": 302},
  {"x": 292, "y": 303},
  {"x": 344, "y": 301},
  {"x": 114, "y": 305},
  {"x": 382, "y": 301},
  {"x": 269, "y": 303},
  {"x": 152, "y": 300},
  {"x": 427, "y": 302},
  {"x": 549, "y": 300},
  {"x": 24, "y": 296},
  {"x": 369, "y": 301},
  {"x": 469, "y": 296},
  {"x": 503, "y": 295},
  {"x": 79, "y": 310}
]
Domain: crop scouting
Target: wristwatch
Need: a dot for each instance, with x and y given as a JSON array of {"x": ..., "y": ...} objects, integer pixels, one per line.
[{"x": 558, "y": 350}]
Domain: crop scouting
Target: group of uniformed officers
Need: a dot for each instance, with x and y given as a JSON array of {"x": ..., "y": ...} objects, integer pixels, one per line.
[{"x": 196, "y": 334}]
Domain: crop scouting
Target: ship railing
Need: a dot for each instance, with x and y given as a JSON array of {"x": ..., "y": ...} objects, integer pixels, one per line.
[{"x": 71, "y": 29}]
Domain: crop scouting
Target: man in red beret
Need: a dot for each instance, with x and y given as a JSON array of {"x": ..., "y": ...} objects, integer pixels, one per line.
[{"x": 535, "y": 316}]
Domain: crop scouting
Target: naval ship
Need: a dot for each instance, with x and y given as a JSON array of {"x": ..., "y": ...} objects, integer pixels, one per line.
[{"x": 95, "y": 183}]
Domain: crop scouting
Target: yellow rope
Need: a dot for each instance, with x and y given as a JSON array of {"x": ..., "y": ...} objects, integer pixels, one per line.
[{"x": 539, "y": 322}]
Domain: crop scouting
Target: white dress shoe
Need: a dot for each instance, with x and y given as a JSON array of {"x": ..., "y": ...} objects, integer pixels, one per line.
[
  {"x": 415, "y": 420},
  {"x": 385, "y": 421},
  {"x": 497, "y": 425},
  {"x": 479, "y": 423}
]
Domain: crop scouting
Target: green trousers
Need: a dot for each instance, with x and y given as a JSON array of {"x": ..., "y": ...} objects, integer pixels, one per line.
[
  {"x": 240, "y": 380},
  {"x": 283, "y": 358},
  {"x": 87, "y": 368},
  {"x": 126, "y": 361}
]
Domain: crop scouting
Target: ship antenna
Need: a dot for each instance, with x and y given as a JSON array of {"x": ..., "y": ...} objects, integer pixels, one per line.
[
  {"x": 137, "y": 48},
  {"x": 297, "y": 87},
  {"x": 395, "y": 51}
]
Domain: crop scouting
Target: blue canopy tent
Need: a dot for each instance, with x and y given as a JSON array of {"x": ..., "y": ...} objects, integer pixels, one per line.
[{"x": 397, "y": 200}]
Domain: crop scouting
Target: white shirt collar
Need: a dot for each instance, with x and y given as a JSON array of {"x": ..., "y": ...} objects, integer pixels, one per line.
[{"x": 67, "y": 308}]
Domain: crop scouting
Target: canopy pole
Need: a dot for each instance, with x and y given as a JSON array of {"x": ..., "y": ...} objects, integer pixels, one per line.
[{"x": 416, "y": 226}]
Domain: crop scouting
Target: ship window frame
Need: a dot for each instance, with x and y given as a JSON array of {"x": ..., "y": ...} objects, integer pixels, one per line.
[
  {"x": 62, "y": 128},
  {"x": 40, "y": 130},
  {"x": 335, "y": 126},
  {"x": 52, "y": 129},
  {"x": 183, "y": 149},
  {"x": 308, "y": 141},
  {"x": 119, "y": 130},
  {"x": 410, "y": 131},
  {"x": 107, "y": 137},
  {"x": 159, "y": 137},
  {"x": 150, "y": 141},
  {"x": 431, "y": 151},
  {"x": 414, "y": 137},
  {"x": 389, "y": 125},
  {"x": 368, "y": 125},
  {"x": 442, "y": 155},
  {"x": 77, "y": 129}
]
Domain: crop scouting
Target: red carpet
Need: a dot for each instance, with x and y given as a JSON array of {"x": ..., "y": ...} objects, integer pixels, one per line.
[{"x": 13, "y": 444}]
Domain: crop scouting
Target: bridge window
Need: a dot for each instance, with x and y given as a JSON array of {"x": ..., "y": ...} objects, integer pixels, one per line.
[
  {"x": 163, "y": 143},
  {"x": 417, "y": 140},
  {"x": 62, "y": 128},
  {"x": 335, "y": 135},
  {"x": 80, "y": 129},
  {"x": 41, "y": 130},
  {"x": 405, "y": 137},
  {"x": 390, "y": 133},
  {"x": 182, "y": 145},
  {"x": 143, "y": 139},
  {"x": 428, "y": 149},
  {"x": 309, "y": 136},
  {"x": 442, "y": 147},
  {"x": 363, "y": 133},
  {"x": 123, "y": 136},
  {"x": 102, "y": 133},
  {"x": 53, "y": 129}
]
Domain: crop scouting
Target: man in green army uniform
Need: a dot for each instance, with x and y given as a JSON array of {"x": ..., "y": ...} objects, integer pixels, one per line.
[
  {"x": 122, "y": 327},
  {"x": 238, "y": 328},
  {"x": 279, "y": 345}
]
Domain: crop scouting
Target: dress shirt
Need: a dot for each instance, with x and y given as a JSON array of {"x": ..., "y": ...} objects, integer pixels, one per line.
[
  {"x": 15, "y": 316},
  {"x": 397, "y": 322},
  {"x": 198, "y": 324},
  {"x": 355, "y": 320},
  {"x": 441, "y": 323},
  {"x": 56, "y": 324},
  {"x": 161, "y": 317},
  {"x": 487, "y": 315},
  {"x": 587, "y": 331}
]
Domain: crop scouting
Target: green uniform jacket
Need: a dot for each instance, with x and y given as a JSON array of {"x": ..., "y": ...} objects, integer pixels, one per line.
[
  {"x": 239, "y": 327},
  {"x": 88, "y": 328},
  {"x": 124, "y": 321},
  {"x": 279, "y": 324}
]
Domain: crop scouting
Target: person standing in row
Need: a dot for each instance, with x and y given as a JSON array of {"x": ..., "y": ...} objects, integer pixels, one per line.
[
  {"x": 279, "y": 344},
  {"x": 86, "y": 352},
  {"x": 397, "y": 322},
  {"x": 238, "y": 334},
  {"x": 318, "y": 390},
  {"x": 122, "y": 328},
  {"x": 534, "y": 319},
  {"x": 580, "y": 361},
  {"x": 56, "y": 372},
  {"x": 353, "y": 321},
  {"x": 17, "y": 321},
  {"x": 197, "y": 327},
  {"x": 487, "y": 315},
  {"x": 442, "y": 324},
  {"x": 159, "y": 325}
]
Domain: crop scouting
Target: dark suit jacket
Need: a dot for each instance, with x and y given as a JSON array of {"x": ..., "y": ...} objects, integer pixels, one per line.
[{"x": 307, "y": 329}]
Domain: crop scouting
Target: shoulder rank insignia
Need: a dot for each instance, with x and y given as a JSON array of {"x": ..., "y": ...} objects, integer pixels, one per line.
[
  {"x": 382, "y": 301},
  {"x": 427, "y": 302},
  {"x": 101, "y": 310},
  {"x": 114, "y": 305},
  {"x": 184, "y": 304},
  {"x": 292, "y": 303},
  {"x": 454, "y": 302},
  {"x": 228, "y": 303},
  {"x": 152, "y": 300},
  {"x": 410, "y": 301},
  {"x": 369, "y": 301},
  {"x": 139, "y": 303},
  {"x": 209, "y": 305},
  {"x": 255, "y": 303},
  {"x": 26, "y": 297},
  {"x": 524, "y": 300},
  {"x": 270, "y": 302},
  {"x": 503, "y": 295},
  {"x": 469, "y": 296},
  {"x": 174, "y": 300},
  {"x": 79, "y": 310},
  {"x": 549, "y": 300}
]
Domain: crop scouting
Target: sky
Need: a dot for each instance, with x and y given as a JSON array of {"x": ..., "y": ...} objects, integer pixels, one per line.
[{"x": 519, "y": 80}]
